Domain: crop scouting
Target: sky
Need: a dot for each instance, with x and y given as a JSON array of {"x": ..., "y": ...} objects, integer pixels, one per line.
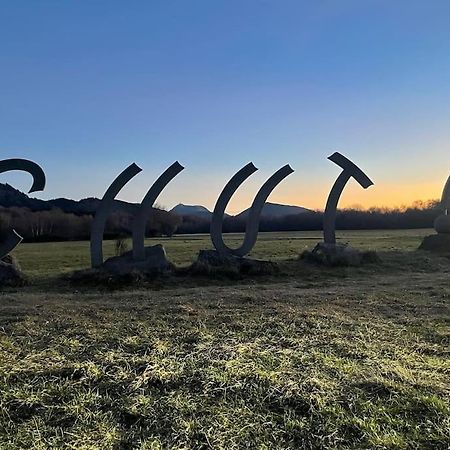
[{"x": 88, "y": 87}]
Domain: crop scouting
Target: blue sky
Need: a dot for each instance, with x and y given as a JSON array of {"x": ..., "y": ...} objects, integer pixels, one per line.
[{"x": 88, "y": 87}]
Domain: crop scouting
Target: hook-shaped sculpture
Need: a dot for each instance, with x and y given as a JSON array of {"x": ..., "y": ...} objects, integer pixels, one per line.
[
  {"x": 145, "y": 209},
  {"x": 13, "y": 239},
  {"x": 103, "y": 211},
  {"x": 251, "y": 229},
  {"x": 349, "y": 170}
]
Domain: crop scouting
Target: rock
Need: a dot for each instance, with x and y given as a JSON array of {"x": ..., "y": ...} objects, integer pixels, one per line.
[
  {"x": 437, "y": 243},
  {"x": 338, "y": 255},
  {"x": 155, "y": 262},
  {"x": 210, "y": 262},
  {"x": 442, "y": 224},
  {"x": 10, "y": 273}
]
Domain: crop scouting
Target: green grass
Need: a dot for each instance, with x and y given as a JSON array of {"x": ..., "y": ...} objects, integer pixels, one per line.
[
  {"x": 346, "y": 358},
  {"x": 54, "y": 258}
]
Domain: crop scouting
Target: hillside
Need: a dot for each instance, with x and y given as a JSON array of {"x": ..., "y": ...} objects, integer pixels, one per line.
[
  {"x": 12, "y": 197},
  {"x": 276, "y": 210},
  {"x": 191, "y": 210}
]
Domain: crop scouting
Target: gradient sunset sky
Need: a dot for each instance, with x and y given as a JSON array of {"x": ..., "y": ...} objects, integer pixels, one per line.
[{"x": 88, "y": 87}]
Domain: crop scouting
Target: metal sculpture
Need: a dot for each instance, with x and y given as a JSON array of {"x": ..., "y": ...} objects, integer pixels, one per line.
[
  {"x": 251, "y": 230},
  {"x": 145, "y": 209},
  {"x": 349, "y": 170},
  {"x": 445, "y": 202},
  {"x": 13, "y": 239},
  {"x": 103, "y": 211},
  {"x": 106, "y": 207},
  {"x": 442, "y": 223}
]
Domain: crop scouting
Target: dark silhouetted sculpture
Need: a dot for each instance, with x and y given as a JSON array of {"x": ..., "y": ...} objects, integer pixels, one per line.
[
  {"x": 145, "y": 209},
  {"x": 105, "y": 209},
  {"x": 139, "y": 253},
  {"x": 440, "y": 242},
  {"x": 442, "y": 223},
  {"x": 12, "y": 237},
  {"x": 329, "y": 252},
  {"x": 349, "y": 170},
  {"x": 251, "y": 230}
]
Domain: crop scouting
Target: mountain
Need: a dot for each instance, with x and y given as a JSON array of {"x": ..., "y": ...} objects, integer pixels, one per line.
[
  {"x": 276, "y": 210},
  {"x": 269, "y": 210},
  {"x": 10, "y": 197},
  {"x": 191, "y": 210}
]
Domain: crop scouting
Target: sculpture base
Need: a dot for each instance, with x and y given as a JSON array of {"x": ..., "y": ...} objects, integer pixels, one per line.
[
  {"x": 335, "y": 255},
  {"x": 10, "y": 273},
  {"x": 442, "y": 224},
  {"x": 155, "y": 262},
  {"x": 120, "y": 271},
  {"x": 210, "y": 262},
  {"x": 436, "y": 243}
]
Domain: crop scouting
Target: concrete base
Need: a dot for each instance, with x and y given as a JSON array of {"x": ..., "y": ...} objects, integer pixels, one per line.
[
  {"x": 10, "y": 273},
  {"x": 338, "y": 255},
  {"x": 155, "y": 262},
  {"x": 442, "y": 224},
  {"x": 210, "y": 262},
  {"x": 437, "y": 243}
]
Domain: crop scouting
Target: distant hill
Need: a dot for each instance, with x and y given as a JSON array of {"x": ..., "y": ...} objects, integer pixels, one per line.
[
  {"x": 10, "y": 197},
  {"x": 276, "y": 210},
  {"x": 269, "y": 210},
  {"x": 191, "y": 210}
]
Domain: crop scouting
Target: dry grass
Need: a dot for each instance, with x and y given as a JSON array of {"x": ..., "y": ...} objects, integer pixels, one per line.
[{"x": 314, "y": 358}]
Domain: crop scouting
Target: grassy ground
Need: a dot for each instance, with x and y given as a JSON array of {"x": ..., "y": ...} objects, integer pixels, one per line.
[
  {"x": 59, "y": 257},
  {"x": 317, "y": 358}
]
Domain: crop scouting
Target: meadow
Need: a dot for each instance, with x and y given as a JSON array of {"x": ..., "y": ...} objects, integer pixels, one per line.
[
  {"x": 55, "y": 258},
  {"x": 314, "y": 358}
]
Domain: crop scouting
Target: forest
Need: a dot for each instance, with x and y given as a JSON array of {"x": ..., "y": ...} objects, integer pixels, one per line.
[{"x": 58, "y": 225}]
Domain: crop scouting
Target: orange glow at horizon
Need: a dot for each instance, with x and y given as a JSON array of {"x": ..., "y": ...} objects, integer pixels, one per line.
[{"x": 380, "y": 195}]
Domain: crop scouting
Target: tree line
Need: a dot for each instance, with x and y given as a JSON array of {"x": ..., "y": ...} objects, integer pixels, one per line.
[
  {"x": 419, "y": 215},
  {"x": 57, "y": 225}
]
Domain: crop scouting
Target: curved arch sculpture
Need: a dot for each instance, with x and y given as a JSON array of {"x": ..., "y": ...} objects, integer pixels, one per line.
[
  {"x": 103, "y": 211},
  {"x": 145, "y": 209},
  {"x": 13, "y": 239},
  {"x": 350, "y": 170},
  {"x": 251, "y": 229}
]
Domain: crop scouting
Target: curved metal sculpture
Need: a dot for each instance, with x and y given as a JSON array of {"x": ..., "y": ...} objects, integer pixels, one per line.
[
  {"x": 25, "y": 165},
  {"x": 13, "y": 239},
  {"x": 349, "y": 170},
  {"x": 145, "y": 209},
  {"x": 103, "y": 211},
  {"x": 251, "y": 229},
  {"x": 442, "y": 222},
  {"x": 445, "y": 202}
]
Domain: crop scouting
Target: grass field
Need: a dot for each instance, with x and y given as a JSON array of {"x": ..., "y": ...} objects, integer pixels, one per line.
[
  {"x": 59, "y": 257},
  {"x": 347, "y": 358}
]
